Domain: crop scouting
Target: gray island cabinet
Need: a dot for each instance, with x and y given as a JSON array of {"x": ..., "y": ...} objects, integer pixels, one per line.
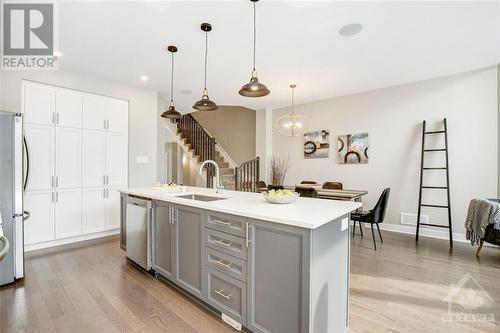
[{"x": 266, "y": 276}]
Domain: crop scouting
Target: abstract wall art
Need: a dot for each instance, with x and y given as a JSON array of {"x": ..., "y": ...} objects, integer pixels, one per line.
[
  {"x": 353, "y": 148},
  {"x": 317, "y": 144}
]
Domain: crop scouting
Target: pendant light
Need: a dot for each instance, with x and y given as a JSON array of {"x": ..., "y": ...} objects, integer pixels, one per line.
[
  {"x": 254, "y": 88},
  {"x": 205, "y": 104},
  {"x": 291, "y": 124},
  {"x": 171, "y": 112}
]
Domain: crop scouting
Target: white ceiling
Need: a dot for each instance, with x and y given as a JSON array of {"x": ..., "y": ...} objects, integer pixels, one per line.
[{"x": 297, "y": 41}]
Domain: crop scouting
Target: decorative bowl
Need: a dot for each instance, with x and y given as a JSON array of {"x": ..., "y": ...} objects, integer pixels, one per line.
[{"x": 275, "y": 199}]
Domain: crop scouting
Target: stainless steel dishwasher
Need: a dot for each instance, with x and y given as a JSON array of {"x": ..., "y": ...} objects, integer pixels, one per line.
[{"x": 138, "y": 231}]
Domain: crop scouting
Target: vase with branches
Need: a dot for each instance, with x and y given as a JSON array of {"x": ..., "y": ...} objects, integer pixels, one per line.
[{"x": 279, "y": 166}]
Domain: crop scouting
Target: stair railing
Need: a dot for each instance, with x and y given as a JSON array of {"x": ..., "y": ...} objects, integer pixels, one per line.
[
  {"x": 200, "y": 142},
  {"x": 247, "y": 175}
]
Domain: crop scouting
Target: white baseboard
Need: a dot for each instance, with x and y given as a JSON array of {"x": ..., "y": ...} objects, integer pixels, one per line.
[
  {"x": 424, "y": 232},
  {"x": 45, "y": 245}
]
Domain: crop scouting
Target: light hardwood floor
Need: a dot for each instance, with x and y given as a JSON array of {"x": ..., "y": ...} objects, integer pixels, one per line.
[{"x": 90, "y": 287}]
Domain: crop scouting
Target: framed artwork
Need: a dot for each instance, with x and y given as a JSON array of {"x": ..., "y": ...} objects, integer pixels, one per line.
[
  {"x": 353, "y": 148},
  {"x": 317, "y": 144}
]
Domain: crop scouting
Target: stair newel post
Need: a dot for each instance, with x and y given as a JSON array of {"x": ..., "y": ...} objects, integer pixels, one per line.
[{"x": 236, "y": 180}]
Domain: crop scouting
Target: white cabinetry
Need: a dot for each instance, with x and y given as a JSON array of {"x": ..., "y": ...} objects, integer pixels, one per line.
[
  {"x": 68, "y": 108},
  {"x": 117, "y": 115},
  {"x": 68, "y": 168},
  {"x": 78, "y": 156},
  {"x": 93, "y": 158},
  {"x": 40, "y": 141},
  {"x": 94, "y": 210},
  {"x": 40, "y": 226},
  {"x": 68, "y": 213}
]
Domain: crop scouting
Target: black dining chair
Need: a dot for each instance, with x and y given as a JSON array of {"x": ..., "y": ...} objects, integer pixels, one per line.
[
  {"x": 275, "y": 187},
  {"x": 306, "y": 192},
  {"x": 332, "y": 186},
  {"x": 374, "y": 216},
  {"x": 308, "y": 182}
]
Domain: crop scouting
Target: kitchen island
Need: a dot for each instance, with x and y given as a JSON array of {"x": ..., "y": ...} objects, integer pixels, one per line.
[{"x": 267, "y": 267}]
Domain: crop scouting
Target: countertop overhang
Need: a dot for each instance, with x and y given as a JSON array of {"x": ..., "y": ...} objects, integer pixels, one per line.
[{"x": 307, "y": 213}]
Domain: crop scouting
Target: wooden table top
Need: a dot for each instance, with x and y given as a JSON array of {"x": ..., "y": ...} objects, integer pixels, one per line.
[{"x": 333, "y": 194}]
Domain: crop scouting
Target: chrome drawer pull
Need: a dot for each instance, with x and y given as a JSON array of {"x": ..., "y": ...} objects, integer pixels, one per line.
[
  {"x": 220, "y": 293},
  {"x": 227, "y": 224},
  {"x": 220, "y": 242},
  {"x": 221, "y": 263}
]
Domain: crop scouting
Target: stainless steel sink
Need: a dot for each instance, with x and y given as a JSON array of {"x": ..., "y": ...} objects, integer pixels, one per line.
[{"x": 200, "y": 197}]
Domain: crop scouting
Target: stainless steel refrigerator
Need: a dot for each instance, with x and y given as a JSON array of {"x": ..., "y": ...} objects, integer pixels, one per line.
[{"x": 13, "y": 171}]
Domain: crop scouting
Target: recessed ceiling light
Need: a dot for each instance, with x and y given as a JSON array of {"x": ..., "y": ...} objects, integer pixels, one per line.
[
  {"x": 350, "y": 29},
  {"x": 144, "y": 78}
]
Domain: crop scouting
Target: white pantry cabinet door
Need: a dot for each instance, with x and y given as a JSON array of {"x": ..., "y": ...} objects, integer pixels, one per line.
[
  {"x": 93, "y": 210},
  {"x": 94, "y": 111},
  {"x": 40, "y": 226},
  {"x": 68, "y": 108},
  {"x": 117, "y": 114},
  {"x": 68, "y": 157},
  {"x": 68, "y": 213},
  {"x": 116, "y": 158},
  {"x": 113, "y": 208},
  {"x": 39, "y": 103},
  {"x": 93, "y": 158},
  {"x": 40, "y": 142}
]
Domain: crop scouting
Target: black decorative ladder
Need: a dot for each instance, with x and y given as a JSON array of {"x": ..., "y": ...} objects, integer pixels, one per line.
[{"x": 446, "y": 188}]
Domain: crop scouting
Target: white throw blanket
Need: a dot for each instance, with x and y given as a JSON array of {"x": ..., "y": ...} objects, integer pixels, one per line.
[{"x": 481, "y": 214}]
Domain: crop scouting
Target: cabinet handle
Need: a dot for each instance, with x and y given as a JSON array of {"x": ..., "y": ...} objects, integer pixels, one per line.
[
  {"x": 57, "y": 118},
  {"x": 221, "y": 293},
  {"x": 53, "y": 182},
  {"x": 104, "y": 180},
  {"x": 57, "y": 181},
  {"x": 220, "y": 242},
  {"x": 227, "y": 224},
  {"x": 53, "y": 118},
  {"x": 222, "y": 264},
  {"x": 57, "y": 196},
  {"x": 107, "y": 193},
  {"x": 107, "y": 179},
  {"x": 247, "y": 235},
  {"x": 53, "y": 200},
  {"x": 104, "y": 125},
  {"x": 104, "y": 193}
]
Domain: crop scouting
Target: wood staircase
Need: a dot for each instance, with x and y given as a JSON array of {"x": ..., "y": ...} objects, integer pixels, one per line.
[{"x": 203, "y": 147}]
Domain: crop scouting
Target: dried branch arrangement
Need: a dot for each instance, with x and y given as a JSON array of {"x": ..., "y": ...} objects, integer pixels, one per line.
[{"x": 278, "y": 167}]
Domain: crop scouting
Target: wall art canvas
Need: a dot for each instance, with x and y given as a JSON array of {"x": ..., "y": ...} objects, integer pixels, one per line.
[
  {"x": 317, "y": 144},
  {"x": 353, "y": 148}
]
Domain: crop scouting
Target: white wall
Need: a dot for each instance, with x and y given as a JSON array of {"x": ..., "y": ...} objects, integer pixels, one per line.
[
  {"x": 142, "y": 118},
  {"x": 263, "y": 140},
  {"x": 393, "y": 118}
]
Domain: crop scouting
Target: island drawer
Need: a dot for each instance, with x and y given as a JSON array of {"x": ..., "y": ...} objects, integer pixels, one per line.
[
  {"x": 227, "y": 264},
  {"x": 226, "y": 294},
  {"x": 226, "y": 243},
  {"x": 231, "y": 224}
]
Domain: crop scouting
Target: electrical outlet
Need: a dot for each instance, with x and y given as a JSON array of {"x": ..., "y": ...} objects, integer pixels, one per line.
[{"x": 231, "y": 322}]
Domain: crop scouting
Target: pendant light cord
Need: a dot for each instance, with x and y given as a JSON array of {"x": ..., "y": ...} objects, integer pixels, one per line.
[
  {"x": 172, "y": 80},
  {"x": 206, "y": 56},
  {"x": 254, "y": 34}
]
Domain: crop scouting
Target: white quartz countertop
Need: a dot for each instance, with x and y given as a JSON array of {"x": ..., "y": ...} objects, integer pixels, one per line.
[{"x": 304, "y": 212}]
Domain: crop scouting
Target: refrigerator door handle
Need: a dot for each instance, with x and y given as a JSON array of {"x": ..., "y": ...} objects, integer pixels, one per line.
[
  {"x": 27, "y": 176},
  {"x": 5, "y": 241}
]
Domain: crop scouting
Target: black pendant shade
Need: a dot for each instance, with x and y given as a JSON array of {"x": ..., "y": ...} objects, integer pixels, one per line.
[
  {"x": 205, "y": 104},
  {"x": 254, "y": 88},
  {"x": 171, "y": 112}
]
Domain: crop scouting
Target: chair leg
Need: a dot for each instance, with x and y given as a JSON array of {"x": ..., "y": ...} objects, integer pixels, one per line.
[
  {"x": 379, "y": 233},
  {"x": 354, "y": 228},
  {"x": 361, "y": 228},
  {"x": 373, "y": 236}
]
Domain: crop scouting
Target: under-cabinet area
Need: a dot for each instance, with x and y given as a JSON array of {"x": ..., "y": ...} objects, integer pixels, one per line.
[{"x": 266, "y": 276}]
